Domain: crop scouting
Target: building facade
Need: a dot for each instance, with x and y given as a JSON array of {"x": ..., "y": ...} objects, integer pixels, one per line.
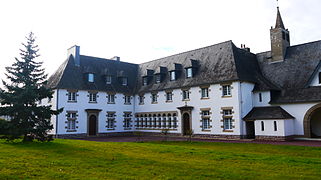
[{"x": 219, "y": 91}]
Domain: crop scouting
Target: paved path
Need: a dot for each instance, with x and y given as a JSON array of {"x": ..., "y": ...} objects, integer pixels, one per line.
[{"x": 161, "y": 138}]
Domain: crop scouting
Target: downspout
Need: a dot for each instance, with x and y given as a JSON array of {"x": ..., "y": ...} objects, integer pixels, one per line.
[
  {"x": 241, "y": 111},
  {"x": 57, "y": 114}
]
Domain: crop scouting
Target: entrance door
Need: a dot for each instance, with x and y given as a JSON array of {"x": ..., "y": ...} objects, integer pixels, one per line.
[
  {"x": 92, "y": 125},
  {"x": 186, "y": 123},
  {"x": 250, "y": 130}
]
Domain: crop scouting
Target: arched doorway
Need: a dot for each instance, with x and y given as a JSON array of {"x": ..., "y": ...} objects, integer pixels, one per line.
[
  {"x": 92, "y": 129},
  {"x": 312, "y": 122},
  {"x": 186, "y": 123}
]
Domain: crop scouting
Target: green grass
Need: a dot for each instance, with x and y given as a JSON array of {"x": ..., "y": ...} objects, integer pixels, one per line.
[{"x": 75, "y": 159}]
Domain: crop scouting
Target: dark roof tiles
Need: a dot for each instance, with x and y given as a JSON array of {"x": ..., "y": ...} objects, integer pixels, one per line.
[{"x": 267, "y": 113}]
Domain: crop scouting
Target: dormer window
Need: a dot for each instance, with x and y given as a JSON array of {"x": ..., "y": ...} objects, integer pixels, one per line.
[
  {"x": 189, "y": 72},
  {"x": 124, "y": 81},
  {"x": 90, "y": 77},
  {"x": 172, "y": 75},
  {"x": 108, "y": 79},
  {"x": 145, "y": 81},
  {"x": 158, "y": 78}
]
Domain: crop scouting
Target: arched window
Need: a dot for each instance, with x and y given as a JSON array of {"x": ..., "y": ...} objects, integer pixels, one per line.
[
  {"x": 262, "y": 126},
  {"x": 174, "y": 120},
  {"x": 169, "y": 120}
]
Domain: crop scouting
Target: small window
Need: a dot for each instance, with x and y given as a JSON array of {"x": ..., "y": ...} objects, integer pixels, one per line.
[
  {"x": 111, "y": 98},
  {"x": 260, "y": 97},
  {"x": 185, "y": 95},
  {"x": 262, "y": 126},
  {"x": 172, "y": 75},
  {"x": 90, "y": 77},
  {"x": 141, "y": 99},
  {"x": 158, "y": 78},
  {"x": 275, "y": 126},
  {"x": 189, "y": 72},
  {"x": 169, "y": 96},
  {"x": 154, "y": 98},
  {"x": 127, "y": 99},
  {"x": 205, "y": 123},
  {"x": 319, "y": 77},
  {"x": 204, "y": 92},
  {"x": 226, "y": 90},
  {"x": 145, "y": 81},
  {"x": 72, "y": 96},
  {"x": 227, "y": 112},
  {"x": 110, "y": 120},
  {"x": 93, "y": 97},
  {"x": 227, "y": 123},
  {"x": 124, "y": 81},
  {"x": 108, "y": 79}
]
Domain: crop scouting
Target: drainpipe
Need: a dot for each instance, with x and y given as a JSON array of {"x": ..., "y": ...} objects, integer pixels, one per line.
[{"x": 57, "y": 114}]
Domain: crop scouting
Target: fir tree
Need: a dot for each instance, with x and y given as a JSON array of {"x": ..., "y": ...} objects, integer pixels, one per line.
[{"x": 20, "y": 96}]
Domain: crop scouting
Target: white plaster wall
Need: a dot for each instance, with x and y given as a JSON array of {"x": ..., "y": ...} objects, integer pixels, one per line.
[
  {"x": 266, "y": 98},
  {"x": 289, "y": 127},
  {"x": 83, "y": 103},
  {"x": 215, "y": 102},
  {"x": 245, "y": 99},
  {"x": 269, "y": 128}
]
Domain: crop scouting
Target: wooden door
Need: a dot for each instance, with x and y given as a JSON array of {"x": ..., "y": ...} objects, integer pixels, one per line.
[
  {"x": 92, "y": 125},
  {"x": 186, "y": 123}
]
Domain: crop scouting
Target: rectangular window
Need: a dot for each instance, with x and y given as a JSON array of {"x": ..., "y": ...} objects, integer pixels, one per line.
[
  {"x": 158, "y": 79},
  {"x": 228, "y": 123},
  {"x": 108, "y": 79},
  {"x": 260, "y": 97},
  {"x": 145, "y": 81},
  {"x": 111, "y": 98},
  {"x": 204, "y": 92},
  {"x": 319, "y": 77},
  {"x": 127, "y": 120},
  {"x": 185, "y": 94},
  {"x": 110, "y": 120},
  {"x": 141, "y": 99},
  {"x": 262, "y": 126},
  {"x": 172, "y": 75},
  {"x": 124, "y": 81},
  {"x": 90, "y": 77},
  {"x": 127, "y": 99},
  {"x": 93, "y": 97},
  {"x": 154, "y": 98},
  {"x": 189, "y": 72},
  {"x": 72, "y": 96},
  {"x": 169, "y": 96},
  {"x": 227, "y": 112},
  {"x": 71, "y": 120},
  {"x": 275, "y": 126},
  {"x": 205, "y": 123},
  {"x": 226, "y": 90}
]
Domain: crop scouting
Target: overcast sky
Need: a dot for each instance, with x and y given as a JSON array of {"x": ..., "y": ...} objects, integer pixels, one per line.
[{"x": 143, "y": 30}]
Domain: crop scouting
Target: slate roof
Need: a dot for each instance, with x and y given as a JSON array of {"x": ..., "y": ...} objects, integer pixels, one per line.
[
  {"x": 70, "y": 76},
  {"x": 293, "y": 75},
  {"x": 218, "y": 63},
  {"x": 267, "y": 113}
]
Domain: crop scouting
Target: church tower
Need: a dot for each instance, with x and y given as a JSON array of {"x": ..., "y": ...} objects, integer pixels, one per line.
[{"x": 280, "y": 39}]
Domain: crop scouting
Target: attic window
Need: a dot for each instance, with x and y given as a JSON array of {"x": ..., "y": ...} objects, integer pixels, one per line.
[
  {"x": 145, "y": 81},
  {"x": 189, "y": 72},
  {"x": 319, "y": 77},
  {"x": 90, "y": 77},
  {"x": 108, "y": 79},
  {"x": 172, "y": 75},
  {"x": 158, "y": 78},
  {"x": 124, "y": 81}
]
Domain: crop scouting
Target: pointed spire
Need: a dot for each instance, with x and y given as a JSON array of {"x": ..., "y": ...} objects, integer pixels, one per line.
[{"x": 279, "y": 22}]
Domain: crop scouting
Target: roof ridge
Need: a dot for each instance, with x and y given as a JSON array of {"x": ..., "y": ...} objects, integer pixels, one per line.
[
  {"x": 105, "y": 59},
  {"x": 188, "y": 51}
]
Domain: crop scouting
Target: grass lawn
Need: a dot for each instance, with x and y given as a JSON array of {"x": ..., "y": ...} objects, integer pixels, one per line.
[{"x": 75, "y": 159}]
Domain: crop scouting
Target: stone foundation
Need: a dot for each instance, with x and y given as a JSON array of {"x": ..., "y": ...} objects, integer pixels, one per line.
[{"x": 274, "y": 138}]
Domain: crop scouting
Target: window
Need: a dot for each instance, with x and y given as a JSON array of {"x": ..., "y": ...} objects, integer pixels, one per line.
[
  {"x": 111, "y": 98},
  {"x": 110, "y": 120},
  {"x": 127, "y": 120},
  {"x": 227, "y": 123},
  {"x": 141, "y": 99},
  {"x": 71, "y": 121},
  {"x": 172, "y": 75},
  {"x": 154, "y": 98},
  {"x": 158, "y": 78},
  {"x": 260, "y": 97},
  {"x": 206, "y": 113},
  {"x": 127, "y": 99},
  {"x": 93, "y": 97},
  {"x": 262, "y": 126},
  {"x": 319, "y": 77},
  {"x": 226, "y": 90},
  {"x": 90, "y": 77},
  {"x": 174, "y": 121},
  {"x": 185, "y": 94},
  {"x": 189, "y": 72},
  {"x": 205, "y": 119},
  {"x": 108, "y": 79},
  {"x": 124, "y": 81},
  {"x": 169, "y": 96},
  {"x": 72, "y": 96},
  {"x": 204, "y": 92},
  {"x": 227, "y": 112},
  {"x": 275, "y": 126},
  {"x": 145, "y": 81}
]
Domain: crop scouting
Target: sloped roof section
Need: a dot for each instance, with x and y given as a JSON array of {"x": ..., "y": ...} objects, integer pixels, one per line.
[
  {"x": 267, "y": 113},
  {"x": 69, "y": 76}
]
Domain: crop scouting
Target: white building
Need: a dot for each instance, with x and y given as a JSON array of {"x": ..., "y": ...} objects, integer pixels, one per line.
[{"x": 216, "y": 91}]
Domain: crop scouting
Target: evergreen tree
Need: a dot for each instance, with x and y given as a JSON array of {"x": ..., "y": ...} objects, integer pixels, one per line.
[{"x": 20, "y": 96}]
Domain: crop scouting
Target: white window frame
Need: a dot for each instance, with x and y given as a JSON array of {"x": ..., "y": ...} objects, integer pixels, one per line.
[
  {"x": 92, "y": 97},
  {"x": 141, "y": 99},
  {"x": 226, "y": 90},
  {"x": 127, "y": 99},
  {"x": 91, "y": 77},
  {"x": 172, "y": 75},
  {"x": 111, "y": 98},
  {"x": 228, "y": 123},
  {"x": 154, "y": 98},
  {"x": 189, "y": 72},
  {"x": 72, "y": 96},
  {"x": 169, "y": 96},
  {"x": 204, "y": 93},
  {"x": 185, "y": 95},
  {"x": 108, "y": 79}
]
